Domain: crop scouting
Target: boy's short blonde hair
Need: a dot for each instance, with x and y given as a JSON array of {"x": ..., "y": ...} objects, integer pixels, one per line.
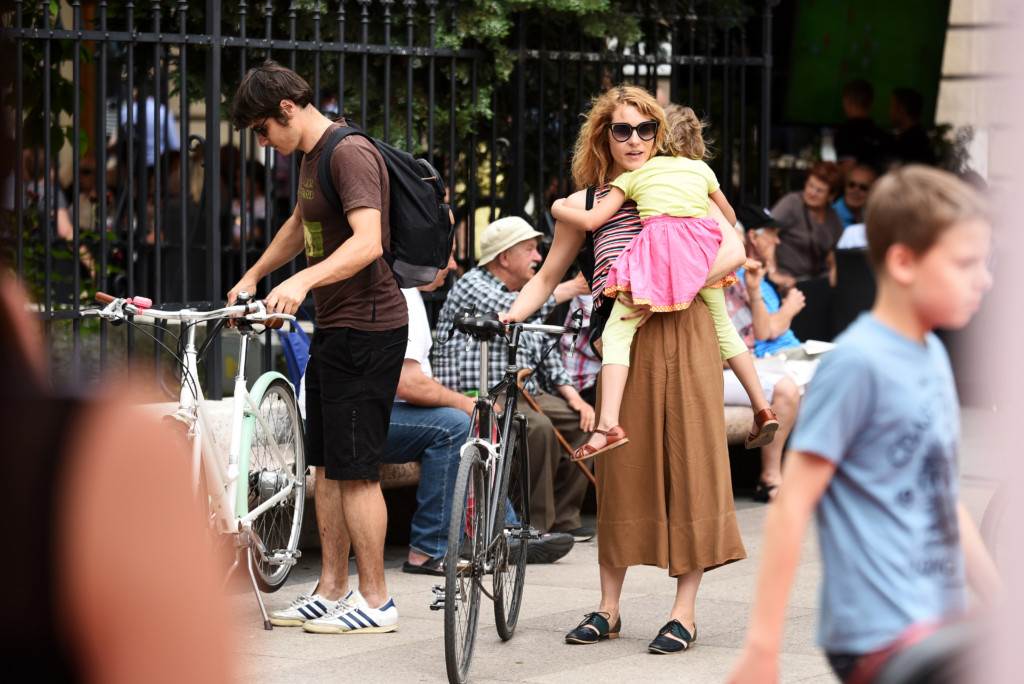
[{"x": 913, "y": 206}]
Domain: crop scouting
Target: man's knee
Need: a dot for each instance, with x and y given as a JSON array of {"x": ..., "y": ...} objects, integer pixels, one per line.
[
  {"x": 786, "y": 395},
  {"x": 410, "y": 434},
  {"x": 454, "y": 422}
]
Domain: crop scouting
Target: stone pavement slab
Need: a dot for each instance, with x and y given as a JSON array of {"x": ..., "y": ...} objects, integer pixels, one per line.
[{"x": 555, "y": 600}]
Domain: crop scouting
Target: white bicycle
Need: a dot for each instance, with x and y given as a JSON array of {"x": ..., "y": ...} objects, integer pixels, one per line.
[{"x": 257, "y": 494}]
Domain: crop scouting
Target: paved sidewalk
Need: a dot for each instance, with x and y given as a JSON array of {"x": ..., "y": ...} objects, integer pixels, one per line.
[{"x": 556, "y": 598}]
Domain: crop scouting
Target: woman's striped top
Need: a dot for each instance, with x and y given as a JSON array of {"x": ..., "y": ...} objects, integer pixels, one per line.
[{"x": 611, "y": 238}]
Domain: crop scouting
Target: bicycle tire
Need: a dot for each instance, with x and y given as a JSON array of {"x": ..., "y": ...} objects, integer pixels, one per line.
[
  {"x": 279, "y": 526},
  {"x": 463, "y": 567},
  {"x": 510, "y": 568}
]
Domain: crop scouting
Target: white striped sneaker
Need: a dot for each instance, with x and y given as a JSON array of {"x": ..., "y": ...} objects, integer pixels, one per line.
[
  {"x": 306, "y": 607},
  {"x": 356, "y": 618}
]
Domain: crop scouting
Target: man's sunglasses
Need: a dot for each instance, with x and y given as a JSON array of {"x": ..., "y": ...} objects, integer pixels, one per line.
[
  {"x": 260, "y": 129},
  {"x": 863, "y": 187},
  {"x": 623, "y": 131}
]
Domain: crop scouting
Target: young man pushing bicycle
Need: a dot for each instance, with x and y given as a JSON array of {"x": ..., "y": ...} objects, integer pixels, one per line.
[{"x": 357, "y": 350}]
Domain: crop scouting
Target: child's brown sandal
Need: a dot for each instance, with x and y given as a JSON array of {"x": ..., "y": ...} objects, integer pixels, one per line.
[
  {"x": 616, "y": 437},
  {"x": 767, "y": 424}
]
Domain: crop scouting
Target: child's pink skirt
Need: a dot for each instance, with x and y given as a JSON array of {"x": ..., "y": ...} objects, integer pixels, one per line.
[{"x": 667, "y": 263}]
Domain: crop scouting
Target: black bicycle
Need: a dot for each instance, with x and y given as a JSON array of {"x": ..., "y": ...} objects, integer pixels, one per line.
[{"x": 490, "y": 515}]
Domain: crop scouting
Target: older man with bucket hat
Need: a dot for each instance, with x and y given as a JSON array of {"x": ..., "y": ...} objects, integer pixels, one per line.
[{"x": 507, "y": 260}]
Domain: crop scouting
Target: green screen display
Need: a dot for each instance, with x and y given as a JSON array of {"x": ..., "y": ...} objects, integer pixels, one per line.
[{"x": 889, "y": 43}]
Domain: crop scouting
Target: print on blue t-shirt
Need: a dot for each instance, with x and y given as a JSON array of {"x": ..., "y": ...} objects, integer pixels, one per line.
[{"x": 883, "y": 409}]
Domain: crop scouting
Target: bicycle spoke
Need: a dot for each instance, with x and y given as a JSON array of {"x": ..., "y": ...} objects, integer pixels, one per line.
[{"x": 275, "y": 434}]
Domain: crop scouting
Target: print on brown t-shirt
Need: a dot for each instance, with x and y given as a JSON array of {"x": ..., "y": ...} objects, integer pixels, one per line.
[{"x": 370, "y": 300}]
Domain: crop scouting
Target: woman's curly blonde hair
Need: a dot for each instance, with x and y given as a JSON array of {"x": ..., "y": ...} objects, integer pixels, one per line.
[{"x": 592, "y": 157}]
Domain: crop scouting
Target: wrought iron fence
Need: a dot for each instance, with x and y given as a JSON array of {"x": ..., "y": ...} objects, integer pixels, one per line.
[{"x": 165, "y": 199}]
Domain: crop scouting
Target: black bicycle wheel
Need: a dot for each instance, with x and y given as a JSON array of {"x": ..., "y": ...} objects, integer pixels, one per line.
[
  {"x": 464, "y": 566},
  {"x": 510, "y": 547}
]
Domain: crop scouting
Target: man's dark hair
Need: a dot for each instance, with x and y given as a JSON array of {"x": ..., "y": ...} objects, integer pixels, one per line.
[
  {"x": 260, "y": 93},
  {"x": 860, "y": 92},
  {"x": 910, "y": 100}
]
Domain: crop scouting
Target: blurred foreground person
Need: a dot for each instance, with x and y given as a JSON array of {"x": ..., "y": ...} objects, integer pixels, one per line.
[
  {"x": 112, "y": 577},
  {"x": 874, "y": 451}
]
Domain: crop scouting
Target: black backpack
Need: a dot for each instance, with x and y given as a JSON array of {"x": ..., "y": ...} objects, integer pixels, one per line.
[{"x": 421, "y": 226}]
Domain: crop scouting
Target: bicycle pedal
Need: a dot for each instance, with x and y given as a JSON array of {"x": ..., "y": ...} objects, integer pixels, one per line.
[
  {"x": 281, "y": 559},
  {"x": 438, "y": 603}
]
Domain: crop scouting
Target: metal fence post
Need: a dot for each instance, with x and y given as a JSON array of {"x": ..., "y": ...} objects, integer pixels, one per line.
[
  {"x": 766, "y": 100},
  {"x": 211, "y": 180}
]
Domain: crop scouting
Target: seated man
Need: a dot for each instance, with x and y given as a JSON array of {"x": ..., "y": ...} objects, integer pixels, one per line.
[
  {"x": 557, "y": 486},
  {"x": 578, "y": 357},
  {"x": 763, "y": 323},
  {"x": 430, "y": 423}
]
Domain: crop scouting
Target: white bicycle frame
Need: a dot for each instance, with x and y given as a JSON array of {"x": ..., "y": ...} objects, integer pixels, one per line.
[
  {"x": 227, "y": 502},
  {"x": 222, "y": 479}
]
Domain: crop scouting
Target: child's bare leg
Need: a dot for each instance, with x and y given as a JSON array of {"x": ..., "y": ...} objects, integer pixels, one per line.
[
  {"x": 743, "y": 366},
  {"x": 618, "y": 339},
  {"x": 613, "y": 386},
  {"x": 732, "y": 347},
  {"x": 735, "y": 352}
]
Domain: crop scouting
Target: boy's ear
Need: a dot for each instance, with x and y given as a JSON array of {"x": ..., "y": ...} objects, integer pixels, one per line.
[
  {"x": 900, "y": 263},
  {"x": 288, "y": 107}
]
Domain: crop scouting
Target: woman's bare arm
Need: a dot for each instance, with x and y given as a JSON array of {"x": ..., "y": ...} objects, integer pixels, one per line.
[
  {"x": 564, "y": 249},
  {"x": 731, "y": 253},
  {"x": 720, "y": 200}
]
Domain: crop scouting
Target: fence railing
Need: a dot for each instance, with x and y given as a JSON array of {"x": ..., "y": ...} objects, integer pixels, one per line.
[{"x": 128, "y": 178}]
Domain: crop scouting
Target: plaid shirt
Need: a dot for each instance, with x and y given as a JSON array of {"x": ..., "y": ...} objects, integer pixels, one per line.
[
  {"x": 737, "y": 304},
  {"x": 580, "y": 361},
  {"x": 456, "y": 358}
]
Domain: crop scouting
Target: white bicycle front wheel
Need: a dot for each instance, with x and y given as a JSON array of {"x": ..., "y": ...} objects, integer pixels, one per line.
[{"x": 278, "y": 527}]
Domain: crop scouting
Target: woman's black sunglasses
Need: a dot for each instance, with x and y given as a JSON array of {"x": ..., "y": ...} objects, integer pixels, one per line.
[{"x": 622, "y": 132}]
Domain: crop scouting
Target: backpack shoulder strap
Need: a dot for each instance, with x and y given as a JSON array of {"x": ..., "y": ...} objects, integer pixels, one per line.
[
  {"x": 589, "y": 239},
  {"x": 323, "y": 170}
]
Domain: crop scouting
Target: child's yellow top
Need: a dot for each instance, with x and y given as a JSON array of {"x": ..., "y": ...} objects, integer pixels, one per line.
[{"x": 675, "y": 186}]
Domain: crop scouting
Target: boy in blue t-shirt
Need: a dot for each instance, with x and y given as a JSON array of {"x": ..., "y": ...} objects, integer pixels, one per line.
[{"x": 873, "y": 453}]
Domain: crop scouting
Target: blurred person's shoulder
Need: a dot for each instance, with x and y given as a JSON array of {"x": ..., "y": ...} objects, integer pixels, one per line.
[{"x": 789, "y": 203}]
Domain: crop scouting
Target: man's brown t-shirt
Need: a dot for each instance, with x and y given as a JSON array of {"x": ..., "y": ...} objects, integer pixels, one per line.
[{"x": 370, "y": 300}]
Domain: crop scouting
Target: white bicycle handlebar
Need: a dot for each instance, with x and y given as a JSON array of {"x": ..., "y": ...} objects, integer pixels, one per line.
[{"x": 119, "y": 308}]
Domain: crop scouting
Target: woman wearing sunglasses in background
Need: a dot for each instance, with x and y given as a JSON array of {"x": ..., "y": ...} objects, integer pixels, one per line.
[
  {"x": 665, "y": 498},
  {"x": 850, "y": 207}
]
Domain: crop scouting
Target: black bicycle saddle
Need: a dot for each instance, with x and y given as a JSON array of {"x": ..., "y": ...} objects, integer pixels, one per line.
[{"x": 484, "y": 327}]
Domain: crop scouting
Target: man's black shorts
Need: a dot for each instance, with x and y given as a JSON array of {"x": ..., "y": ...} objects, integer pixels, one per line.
[{"x": 351, "y": 381}]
